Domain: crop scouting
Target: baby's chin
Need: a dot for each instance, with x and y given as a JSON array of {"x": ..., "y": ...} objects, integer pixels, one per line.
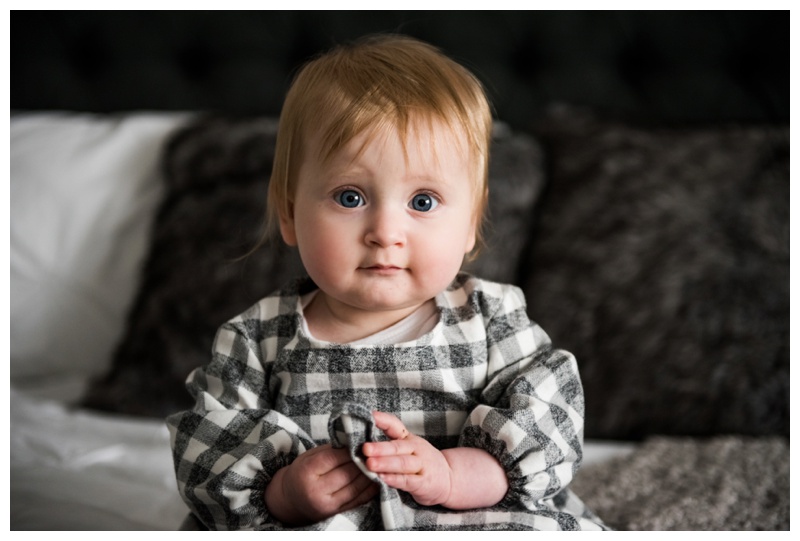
[
  {"x": 379, "y": 303},
  {"x": 386, "y": 288}
]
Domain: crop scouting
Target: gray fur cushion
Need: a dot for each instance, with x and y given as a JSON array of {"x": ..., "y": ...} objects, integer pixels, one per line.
[
  {"x": 720, "y": 483},
  {"x": 194, "y": 280},
  {"x": 661, "y": 260}
]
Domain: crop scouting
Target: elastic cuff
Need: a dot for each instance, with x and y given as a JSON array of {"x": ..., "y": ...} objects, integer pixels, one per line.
[{"x": 260, "y": 487}]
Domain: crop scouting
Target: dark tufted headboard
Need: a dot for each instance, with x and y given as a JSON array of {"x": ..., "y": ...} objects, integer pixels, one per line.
[{"x": 667, "y": 67}]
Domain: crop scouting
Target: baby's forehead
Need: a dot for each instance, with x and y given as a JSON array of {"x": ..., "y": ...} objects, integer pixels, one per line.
[{"x": 418, "y": 140}]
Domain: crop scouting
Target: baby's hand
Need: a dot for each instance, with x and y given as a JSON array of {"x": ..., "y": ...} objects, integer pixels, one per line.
[
  {"x": 409, "y": 462},
  {"x": 320, "y": 483}
]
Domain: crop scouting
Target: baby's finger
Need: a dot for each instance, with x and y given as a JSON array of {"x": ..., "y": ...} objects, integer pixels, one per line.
[
  {"x": 388, "y": 448},
  {"x": 391, "y": 425},
  {"x": 342, "y": 476},
  {"x": 402, "y": 464},
  {"x": 359, "y": 493},
  {"x": 400, "y": 481},
  {"x": 354, "y": 491},
  {"x": 328, "y": 459}
]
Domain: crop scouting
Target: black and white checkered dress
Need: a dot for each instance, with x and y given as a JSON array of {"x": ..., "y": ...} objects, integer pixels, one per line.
[{"x": 484, "y": 377}]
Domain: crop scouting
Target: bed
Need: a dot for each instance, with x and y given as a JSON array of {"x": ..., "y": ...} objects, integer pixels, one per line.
[
  {"x": 658, "y": 252},
  {"x": 76, "y": 258},
  {"x": 96, "y": 205}
]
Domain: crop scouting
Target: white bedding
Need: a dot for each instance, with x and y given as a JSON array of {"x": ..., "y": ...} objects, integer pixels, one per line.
[
  {"x": 84, "y": 190},
  {"x": 81, "y": 470}
]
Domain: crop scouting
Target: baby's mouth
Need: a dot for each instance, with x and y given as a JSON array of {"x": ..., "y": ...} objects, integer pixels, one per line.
[{"x": 382, "y": 269}]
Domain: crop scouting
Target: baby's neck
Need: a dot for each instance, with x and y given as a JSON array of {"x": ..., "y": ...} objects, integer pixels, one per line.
[{"x": 330, "y": 321}]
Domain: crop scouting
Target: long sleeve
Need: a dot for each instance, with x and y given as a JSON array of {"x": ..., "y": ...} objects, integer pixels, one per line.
[
  {"x": 228, "y": 447},
  {"x": 531, "y": 412}
]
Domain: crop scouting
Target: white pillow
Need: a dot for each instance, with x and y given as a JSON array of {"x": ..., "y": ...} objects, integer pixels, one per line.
[{"x": 84, "y": 189}]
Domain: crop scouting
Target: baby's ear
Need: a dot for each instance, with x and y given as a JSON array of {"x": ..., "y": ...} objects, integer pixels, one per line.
[
  {"x": 472, "y": 237},
  {"x": 470, "y": 242},
  {"x": 287, "y": 226}
]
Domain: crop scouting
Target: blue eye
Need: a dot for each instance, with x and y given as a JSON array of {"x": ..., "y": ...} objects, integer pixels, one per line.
[
  {"x": 423, "y": 202},
  {"x": 349, "y": 199}
]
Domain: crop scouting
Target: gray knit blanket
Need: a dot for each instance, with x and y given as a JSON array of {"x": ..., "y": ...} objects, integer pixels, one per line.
[{"x": 721, "y": 483}]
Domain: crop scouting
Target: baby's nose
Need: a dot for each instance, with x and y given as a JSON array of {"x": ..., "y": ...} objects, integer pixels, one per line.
[{"x": 386, "y": 228}]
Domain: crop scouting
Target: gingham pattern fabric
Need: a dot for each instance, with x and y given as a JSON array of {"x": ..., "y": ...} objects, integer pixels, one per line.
[{"x": 484, "y": 377}]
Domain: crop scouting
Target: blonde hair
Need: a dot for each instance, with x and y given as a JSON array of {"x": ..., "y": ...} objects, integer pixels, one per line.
[{"x": 377, "y": 81}]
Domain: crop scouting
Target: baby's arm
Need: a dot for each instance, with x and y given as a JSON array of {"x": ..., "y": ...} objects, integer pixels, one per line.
[
  {"x": 432, "y": 477},
  {"x": 232, "y": 448}
]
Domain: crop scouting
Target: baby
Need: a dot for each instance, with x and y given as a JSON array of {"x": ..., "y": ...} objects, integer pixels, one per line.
[{"x": 387, "y": 389}]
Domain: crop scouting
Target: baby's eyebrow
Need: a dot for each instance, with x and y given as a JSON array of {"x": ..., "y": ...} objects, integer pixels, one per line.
[
  {"x": 424, "y": 177},
  {"x": 347, "y": 175},
  {"x": 435, "y": 180}
]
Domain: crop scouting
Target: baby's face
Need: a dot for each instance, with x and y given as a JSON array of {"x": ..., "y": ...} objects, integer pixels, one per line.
[{"x": 380, "y": 229}]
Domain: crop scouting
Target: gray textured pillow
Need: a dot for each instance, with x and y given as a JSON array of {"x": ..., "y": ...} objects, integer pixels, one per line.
[
  {"x": 661, "y": 259},
  {"x": 217, "y": 172},
  {"x": 194, "y": 279},
  {"x": 516, "y": 180}
]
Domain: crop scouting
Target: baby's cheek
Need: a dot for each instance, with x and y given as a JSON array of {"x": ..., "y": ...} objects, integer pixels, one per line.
[{"x": 322, "y": 257}]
